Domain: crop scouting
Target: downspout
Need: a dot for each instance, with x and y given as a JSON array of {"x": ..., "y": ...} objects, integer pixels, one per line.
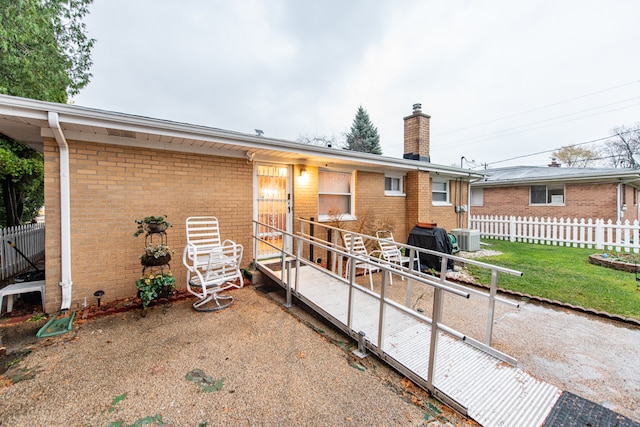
[
  {"x": 619, "y": 197},
  {"x": 469, "y": 200},
  {"x": 65, "y": 211},
  {"x": 618, "y": 201}
]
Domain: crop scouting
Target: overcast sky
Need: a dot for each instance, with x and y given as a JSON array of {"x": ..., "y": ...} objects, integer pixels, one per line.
[{"x": 499, "y": 78}]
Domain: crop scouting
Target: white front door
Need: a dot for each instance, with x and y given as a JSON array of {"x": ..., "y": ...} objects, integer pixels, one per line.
[{"x": 273, "y": 208}]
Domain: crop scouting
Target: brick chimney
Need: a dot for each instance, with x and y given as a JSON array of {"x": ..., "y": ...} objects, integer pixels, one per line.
[
  {"x": 554, "y": 164},
  {"x": 416, "y": 135}
]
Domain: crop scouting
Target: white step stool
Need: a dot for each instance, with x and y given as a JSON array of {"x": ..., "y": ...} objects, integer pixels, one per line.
[{"x": 21, "y": 288}]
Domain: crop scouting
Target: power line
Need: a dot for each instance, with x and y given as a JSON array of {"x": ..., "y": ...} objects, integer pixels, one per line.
[
  {"x": 538, "y": 108},
  {"x": 515, "y": 130},
  {"x": 571, "y": 145}
]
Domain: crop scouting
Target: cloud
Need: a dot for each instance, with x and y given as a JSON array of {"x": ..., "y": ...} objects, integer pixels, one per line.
[{"x": 294, "y": 67}]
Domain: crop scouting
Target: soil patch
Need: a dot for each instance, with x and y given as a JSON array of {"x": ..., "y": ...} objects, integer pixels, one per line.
[{"x": 615, "y": 263}]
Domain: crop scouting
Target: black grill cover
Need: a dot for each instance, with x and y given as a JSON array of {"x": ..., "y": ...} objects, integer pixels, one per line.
[{"x": 435, "y": 239}]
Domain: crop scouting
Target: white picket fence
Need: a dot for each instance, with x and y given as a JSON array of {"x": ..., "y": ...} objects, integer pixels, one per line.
[
  {"x": 29, "y": 239},
  {"x": 577, "y": 233}
]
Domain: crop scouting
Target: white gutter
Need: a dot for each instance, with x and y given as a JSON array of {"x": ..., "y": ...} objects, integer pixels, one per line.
[
  {"x": 65, "y": 210},
  {"x": 619, "y": 202}
]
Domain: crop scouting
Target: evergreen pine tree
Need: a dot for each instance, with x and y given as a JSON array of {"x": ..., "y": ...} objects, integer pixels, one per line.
[{"x": 363, "y": 136}]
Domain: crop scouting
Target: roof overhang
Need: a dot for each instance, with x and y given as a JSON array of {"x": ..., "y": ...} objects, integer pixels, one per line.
[
  {"x": 621, "y": 176},
  {"x": 26, "y": 120}
]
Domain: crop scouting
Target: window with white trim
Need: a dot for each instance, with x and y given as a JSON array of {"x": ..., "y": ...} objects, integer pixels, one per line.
[
  {"x": 393, "y": 185},
  {"x": 440, "y": 192},
  {"x": 335, "y": 197},
  {"x": 477, "y": 196},
  {"x": 546, "y": 195}
]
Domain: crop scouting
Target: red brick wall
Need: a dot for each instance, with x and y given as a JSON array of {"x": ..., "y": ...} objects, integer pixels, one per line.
[{"x": 596, "y": 201}]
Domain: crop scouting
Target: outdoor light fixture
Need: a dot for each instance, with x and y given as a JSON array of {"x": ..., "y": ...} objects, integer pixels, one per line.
[
  {"x": 304, "y": 176},
  {"x": 98, "y": 294}
]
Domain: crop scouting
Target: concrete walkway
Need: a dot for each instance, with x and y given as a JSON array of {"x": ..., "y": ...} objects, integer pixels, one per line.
[{"x": 596, "y": 359}]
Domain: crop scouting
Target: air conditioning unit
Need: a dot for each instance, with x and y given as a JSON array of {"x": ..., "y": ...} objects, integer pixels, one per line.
[{"x": 468, "y": 239}]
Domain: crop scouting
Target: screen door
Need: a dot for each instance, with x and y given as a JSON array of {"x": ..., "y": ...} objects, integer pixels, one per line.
[{"x": 273, "y": 204}]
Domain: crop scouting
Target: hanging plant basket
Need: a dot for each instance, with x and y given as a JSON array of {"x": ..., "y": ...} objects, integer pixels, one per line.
[
  {"x": 151, "y": 261},
  {"x": 156, "y": 227}
]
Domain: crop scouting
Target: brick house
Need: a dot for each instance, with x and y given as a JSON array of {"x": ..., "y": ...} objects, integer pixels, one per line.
[
  {"x": 104, "y": 169},
  {"x": 556, "y": 192}
]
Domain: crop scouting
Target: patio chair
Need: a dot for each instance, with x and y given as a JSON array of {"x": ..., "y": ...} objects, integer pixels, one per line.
[
  {"x": 355, "y": 245},
  {"x": 203, "y": 234},
  {"x": 221, "y": 272},
  {"x": 391, "y": 252}
]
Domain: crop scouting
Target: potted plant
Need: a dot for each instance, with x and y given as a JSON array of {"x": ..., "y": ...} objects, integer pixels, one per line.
[
  {"x": 155, "y": 285},
  {"x": 152, "y": 224},
  {"x": 155, "y": 255}
]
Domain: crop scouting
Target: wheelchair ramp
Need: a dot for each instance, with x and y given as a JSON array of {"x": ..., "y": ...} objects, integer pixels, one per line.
[{"x": 474, "y": 382}]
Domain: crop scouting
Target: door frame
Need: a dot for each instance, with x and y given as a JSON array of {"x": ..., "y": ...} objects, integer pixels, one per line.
[{"x": 287, "y": 204}]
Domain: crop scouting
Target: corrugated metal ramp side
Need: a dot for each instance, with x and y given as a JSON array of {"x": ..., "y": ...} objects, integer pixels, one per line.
[
  {"x": 493, "y": 392},
  {"x": 496, "y": 394}
]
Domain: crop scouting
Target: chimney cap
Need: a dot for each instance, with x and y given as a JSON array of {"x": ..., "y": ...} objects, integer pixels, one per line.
[{"x": 417, "y": 107}]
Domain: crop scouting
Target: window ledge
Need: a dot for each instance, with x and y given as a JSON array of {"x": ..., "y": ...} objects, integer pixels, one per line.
[{"x": 344, "y": 217}]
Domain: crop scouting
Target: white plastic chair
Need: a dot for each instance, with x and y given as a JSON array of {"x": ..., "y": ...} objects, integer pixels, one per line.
[
  {"x": 220, "y": 272},
  {"x": 390, "y": 251},
  {"x": 203, "y": 235},
  {"x": 358, "y": 247}
]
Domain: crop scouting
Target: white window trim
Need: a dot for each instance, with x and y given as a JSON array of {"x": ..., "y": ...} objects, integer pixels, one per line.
[
  {"x": 474, "y": 201},
  {"x": 564, "y": 195},
  {"x": 352, "y": 185},
  {"x": 448, "y": 192},
  {"x": 394, "y": 193}
]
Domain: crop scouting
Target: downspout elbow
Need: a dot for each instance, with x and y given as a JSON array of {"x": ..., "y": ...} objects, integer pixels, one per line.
[{"x": 65, "y": 210}]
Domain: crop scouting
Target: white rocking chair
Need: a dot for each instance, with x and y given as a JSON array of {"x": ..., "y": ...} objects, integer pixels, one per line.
[
  {"x": 203, "y": 235},
  {"x": 220, "y": 272}
]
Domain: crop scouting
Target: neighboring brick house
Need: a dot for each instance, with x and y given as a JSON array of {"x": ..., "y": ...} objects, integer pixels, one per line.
[
  {"x": 556, "y": 192},
  {"x": 103, "y": 170}
]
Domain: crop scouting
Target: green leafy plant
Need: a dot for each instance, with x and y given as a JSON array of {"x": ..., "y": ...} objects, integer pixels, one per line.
[
  {"x": 149, "y": 223},
  {"x": 157, "y": 251},
  {"x": 155, "y": 420},
  {"x": 36, "y": 317},
  {"x": 13, "y": 362},
  {"x": 156, "y": 254},
  {"x": 206, "y": 382},
  {"x": 150, "y": 286},
  {"x": 116, "y": 400}
]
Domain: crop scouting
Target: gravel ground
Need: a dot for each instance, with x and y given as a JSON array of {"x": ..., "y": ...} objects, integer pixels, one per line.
[
  {"x": 287, "y": 367},
  {"x": 272, "y": 368}
]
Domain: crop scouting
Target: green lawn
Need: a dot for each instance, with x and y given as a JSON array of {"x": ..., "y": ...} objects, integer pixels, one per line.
[{"x": 563, "y": 274}]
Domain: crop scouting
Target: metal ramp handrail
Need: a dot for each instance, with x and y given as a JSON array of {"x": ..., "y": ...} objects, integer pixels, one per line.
[
  {"x": 408, "y": 340},
  {"x": 439, "y": 283},
  {"x": 414, "y": 253}
]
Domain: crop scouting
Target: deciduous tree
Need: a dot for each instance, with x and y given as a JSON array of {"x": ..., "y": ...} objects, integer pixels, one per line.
[
  {"x": 573, "y": 156},
  {"x": 622, "y": 148},
  {"x": 44, "y": 54}
]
